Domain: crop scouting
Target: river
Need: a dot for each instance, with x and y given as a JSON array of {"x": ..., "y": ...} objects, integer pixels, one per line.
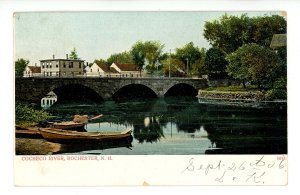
[{"x": 183, "y": 126}]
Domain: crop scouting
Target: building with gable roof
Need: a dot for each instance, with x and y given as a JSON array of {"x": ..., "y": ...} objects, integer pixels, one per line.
[
  {"x": 32, "y": 71},
  {"x": 125, "y": 70}
]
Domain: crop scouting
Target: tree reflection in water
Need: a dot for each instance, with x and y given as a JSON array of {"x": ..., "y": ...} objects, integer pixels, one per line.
[{"x": 150, "y": 131}]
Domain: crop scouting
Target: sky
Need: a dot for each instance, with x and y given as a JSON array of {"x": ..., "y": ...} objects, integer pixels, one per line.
[{"x": 95, "y": 35}]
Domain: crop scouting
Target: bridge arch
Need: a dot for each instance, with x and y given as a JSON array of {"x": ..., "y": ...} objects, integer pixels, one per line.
[
  {"x": 76, "y": 92},
  {"x": 181, "y": 89},
  {"x": 133, "y": 91}
]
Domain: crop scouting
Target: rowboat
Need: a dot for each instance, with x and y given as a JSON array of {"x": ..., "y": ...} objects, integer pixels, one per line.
[
  {"x": 28, "y": 133},
  {"x": 68, "y": 136},
  {"x": 67, "y": 125},
  {"x": 77, "y": 124}
]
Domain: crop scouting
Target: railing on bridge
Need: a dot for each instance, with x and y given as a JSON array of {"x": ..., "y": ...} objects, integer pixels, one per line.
[{"x": 110, "y": 76}]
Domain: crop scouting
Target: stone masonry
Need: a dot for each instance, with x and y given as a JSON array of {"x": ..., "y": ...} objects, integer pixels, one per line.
[{"x": 34, "y": 89}]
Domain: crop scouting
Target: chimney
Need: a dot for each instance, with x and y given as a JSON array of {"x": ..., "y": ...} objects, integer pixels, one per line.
[
  {"x": 53, "y": 56},
  {"x": 67, "y": 56}
]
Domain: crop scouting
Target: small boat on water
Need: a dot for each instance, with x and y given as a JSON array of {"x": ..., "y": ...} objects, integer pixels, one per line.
[
  {"x": 67, "y": 136},
  {"x": 27, "y": 132},
  {"x": 68, "y": 125},
  {"x": 77, "y": 124}
]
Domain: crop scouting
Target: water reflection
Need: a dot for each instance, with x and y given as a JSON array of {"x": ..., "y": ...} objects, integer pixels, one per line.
[
  {"x": 183, "y": 126},
  {"x": 150, "y": 131}
]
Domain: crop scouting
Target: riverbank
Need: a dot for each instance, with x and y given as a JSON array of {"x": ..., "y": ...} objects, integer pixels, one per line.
[
  {"x": 29, "y": 146},
  {"x": 232, "y": 95}
]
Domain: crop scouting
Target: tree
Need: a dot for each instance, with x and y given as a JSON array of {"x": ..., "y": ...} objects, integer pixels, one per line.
[
  {"x": 147, "y": 53},
  {"x": 228, "y": 33},
  {"x": 20, "y": 66},
  {"x": 253, "y": 62},
  {"x": 153, "y": 53},
  {"x": 199, "y": 68},
  {"x": 123, "y": 58},
  {"x": 175, "y": 65},
  {"x": 73, "y": 54},
  {"x": 188, "y": 54},
  {"x": 138, "y": 54},
  {"x": 215, "y": 62}
]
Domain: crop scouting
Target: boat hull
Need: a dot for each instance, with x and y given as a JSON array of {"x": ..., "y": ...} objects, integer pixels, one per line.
[
  {"x": 65, "y": 136},
  {"x": 69, "y": 126}
]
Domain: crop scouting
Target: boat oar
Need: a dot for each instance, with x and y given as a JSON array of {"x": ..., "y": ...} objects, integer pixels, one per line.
[{"x": 95, "y": 117}]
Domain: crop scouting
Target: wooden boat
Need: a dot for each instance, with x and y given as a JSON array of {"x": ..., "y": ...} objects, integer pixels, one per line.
[
  {"x": 77, "y": 124},
  {"x": 22, "y": 132},
  {"x": 68, "y": 125},
  {"x": 67, "y": 136}
]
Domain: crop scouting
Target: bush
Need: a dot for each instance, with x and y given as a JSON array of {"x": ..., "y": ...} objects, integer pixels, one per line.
[
  {"x": 275, "y": 94},
  {"x": 27, "y": 114}
]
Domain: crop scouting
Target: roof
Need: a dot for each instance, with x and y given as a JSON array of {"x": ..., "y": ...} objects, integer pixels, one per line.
[
  {"x": 104, "y": 67},
  {"x": 61, "y": 60},
  {"x": 113, "y": 70},
  {"x": 127, "y": 67},
  {"x": 35, "y": 69},
  {"x": 278, "y": 40}
]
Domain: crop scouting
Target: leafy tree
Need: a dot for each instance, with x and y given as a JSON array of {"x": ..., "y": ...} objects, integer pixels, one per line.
[
  {"x": 228, "y": 33},
  {"x": 199, "y": 68},
  {"x": 73, "y": 54},
  {"x": 253, "y": 62},
  {"x": 188, "y": 54},
  {"x": 138, "y": 54},
  {"x": 147, "y": 53},
  {"x": 215, "y": 62},
  {"x": 123, "y": 58},
  {"x": 175, "y": 65},
  {"x": 153, "y": 53},
  {"x": 20, "y": 66}
]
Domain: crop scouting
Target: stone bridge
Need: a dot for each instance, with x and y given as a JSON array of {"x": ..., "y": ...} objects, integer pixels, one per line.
[{"x": 33, "y": 89}]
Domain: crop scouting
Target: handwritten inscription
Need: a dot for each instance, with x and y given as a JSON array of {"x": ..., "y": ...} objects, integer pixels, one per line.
[{"x": 256, "y": 171}]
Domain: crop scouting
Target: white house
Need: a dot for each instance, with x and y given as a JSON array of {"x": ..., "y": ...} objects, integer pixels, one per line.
[
  {"x": 31, "y": 71},
  {"x": 49, "y": 100},
  {"x": 97, "y": 69},
  {"x": 125, "y": 70}
]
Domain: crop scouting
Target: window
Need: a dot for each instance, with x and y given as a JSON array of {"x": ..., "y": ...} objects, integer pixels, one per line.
[
  {"x": 80, "y": 64},
  {"x": 50, "y": 73},
  {"x": 43, "y": 102},
  {"x": 47, "y": 66},
  {"x": 91, "y": 70},
  {"x": 64, "y": 64},
  {"x": 43, "y": 66},
  {"x": 47, "y": 102},
  {"x": 47, "y": 73},
  {"x": 56, "y": 65},
  {"x": 79, "y": 72},
  {"x": 71, "y": 65},
  {"x": 57, "y": 73},
  {"x": 50, "y": 66}
]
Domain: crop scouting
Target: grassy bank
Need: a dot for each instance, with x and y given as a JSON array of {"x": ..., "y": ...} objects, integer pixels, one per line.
[
  {"x": 27, "y": 115},
  {"x": 249, "y": 93}
]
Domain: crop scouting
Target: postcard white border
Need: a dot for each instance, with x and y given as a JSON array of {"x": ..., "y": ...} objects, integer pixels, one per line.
[{"x": 8, "y": 7}]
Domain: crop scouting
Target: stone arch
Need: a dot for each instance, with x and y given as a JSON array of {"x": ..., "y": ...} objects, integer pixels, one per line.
[
  {"x": 134, "y": 90},
  {"x": 76, "y": 92},
  {"x": 181, "y": 89}
]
